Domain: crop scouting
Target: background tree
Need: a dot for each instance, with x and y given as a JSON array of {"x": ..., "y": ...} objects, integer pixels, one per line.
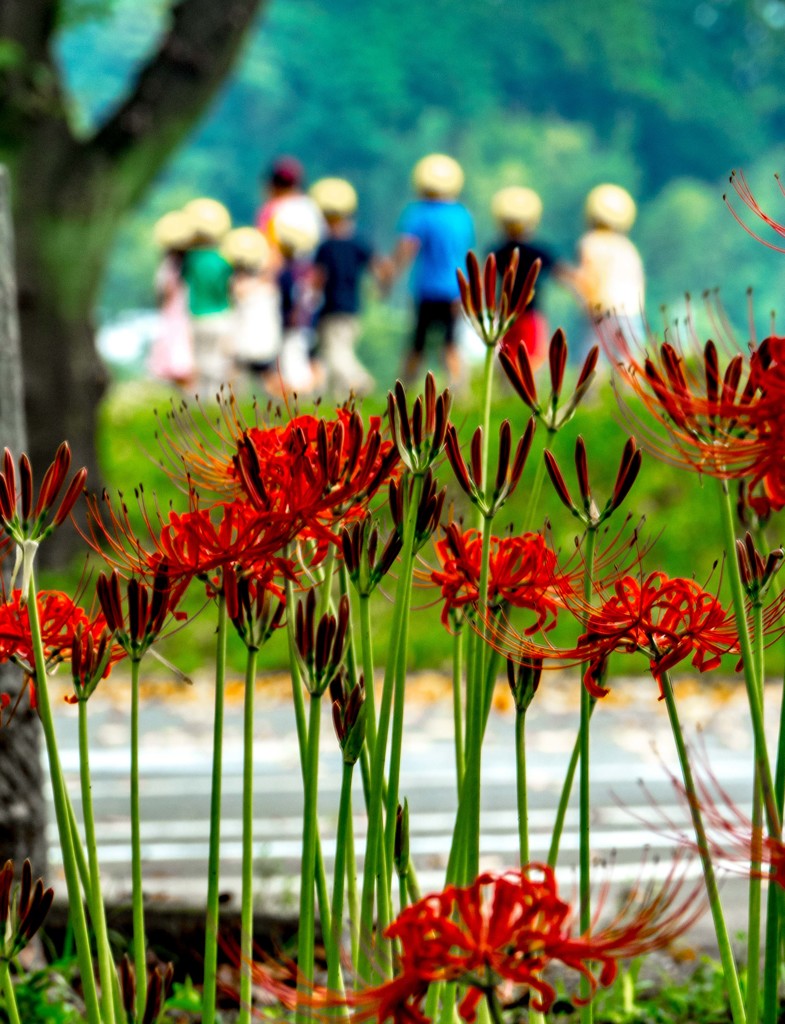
[{"x": 70, "y": 190}]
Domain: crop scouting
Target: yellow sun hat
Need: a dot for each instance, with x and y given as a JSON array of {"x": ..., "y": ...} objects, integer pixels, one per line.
[
  {"x": 517, "y": 205},
  {"x": 611, "y": 206},
  {"x": 211, "y": 219},
  {"x": 174, "y": 230},
  {"x": 295, "y": 225},
  {"x": 438, "y": 175},
  {"x": 246, "y": 248},
  {"x": 335, "y": 197}
]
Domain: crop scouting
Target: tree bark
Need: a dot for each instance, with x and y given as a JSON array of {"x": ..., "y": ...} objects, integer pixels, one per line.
[
  {"x": 70, "y": 194},
  {"x": 22, "y": 807}
]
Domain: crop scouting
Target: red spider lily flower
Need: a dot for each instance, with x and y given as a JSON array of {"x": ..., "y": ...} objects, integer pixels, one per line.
[
  {"x": 61, "y": 620},
  {"x": 502, "y": 929},
  {"x": 735, "y": 844},
  {"x": 360, "y": 545},
  {"x": 25, "y": 519},
  {"x": 315, "y": 473},
  {"x": 518, "y": 369},
  {"x": 136, "y": 624},
  {"x": 191, "y": 544},
  {"x": 743, "y": 191},
  {"x": 92, "y": 657},
  {"x": 23, "y": 909},
  {"x": 349, "y": 711},
  {"x": 255, "y": 602},
  {"x": 419, "y": 438},
  {"x": 321, "y": 644},
  {"x": 757, "y": 573},
  {"x": 507, "y": 477},
  {"x": 429, "y": 508},
  {"x": 666, "y": 619},
  {"x": 524, "y": 680},
  {"x": 588, "y": 511},
  {"x": 522, "y": 573},
  {"x": 491, "y": 316},
  {"x": 159, "y": 983}
]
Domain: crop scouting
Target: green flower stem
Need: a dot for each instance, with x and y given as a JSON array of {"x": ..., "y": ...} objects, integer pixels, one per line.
[
  {"x": 366, "y": 649},
  {"x": 246, "y": 912},
  {"x": 495, "y": 1007},
  {"x": 756, "y": 881},
  {"x": 564, "y": 797},
  {"x": 520, "y": 779},
  {"x": 137, "y": 894},
  {"x": 81, "y": 860},
  {"x": 534, "y": 496},
  {"x": 457, "y": 857},
  {"x": 584, "y": 789},
  {"x": 487, "y": 391},
  {"x": 352, "y": 895},
  {"x": 325, "y": 597},
  {"x": 343, "y": 840},
  {"x": 7, "y": 988},
  {"x": 457, "y": 701},
  {"x": 723, "y": 941},
  {"x": 351, "y": 643},
  {"x": 762, "y": 765},
  {"x": 773, "y": 924},
  {"x": 84, "y": 876},
  {"x": 214, "y": 855},
  {"x": 60, "y": 798},
  {"x": 478, "y": 682},
  {"x": 372, "y": 869},
  {"x": 96, "y": 902},
  {"x": 298, "y": 701},
  {"x": 306, "y": 933},
  {"x": 396, "y": 740},
  {"x": 491, "y": 675}
]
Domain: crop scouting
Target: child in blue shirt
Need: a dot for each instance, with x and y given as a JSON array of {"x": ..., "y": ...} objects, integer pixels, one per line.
[{"x": 435, "y": 233}]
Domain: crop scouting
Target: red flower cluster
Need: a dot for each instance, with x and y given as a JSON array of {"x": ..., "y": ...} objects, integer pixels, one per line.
[
  {"x": 67, "y": 633},
  {"x": 315, "y": 473},
  {"x": 504, "y": 928},
  {"x": 522, "y": 573},
  {"x": 666, "y": 619}
]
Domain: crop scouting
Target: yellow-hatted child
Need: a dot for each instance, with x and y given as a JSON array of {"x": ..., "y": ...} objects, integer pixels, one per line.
[
  {"x": 609, "y": 278},
  {"x": 207, "y": 275},
  {"x": 296, "y": 231},
  {"x": 339, "y": 264},
  {"x": 518, "y": 211},
  {"x": 172, "y": 352},
  {"x": 434, "y": 233},
  {"x": 257, "y": 307}
]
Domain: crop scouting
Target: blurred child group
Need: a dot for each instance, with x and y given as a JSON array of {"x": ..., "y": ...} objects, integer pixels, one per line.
[{"x": 278, "y": 303}]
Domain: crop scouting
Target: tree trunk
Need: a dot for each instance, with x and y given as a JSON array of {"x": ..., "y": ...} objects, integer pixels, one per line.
[{"x": 22, "y": 807}]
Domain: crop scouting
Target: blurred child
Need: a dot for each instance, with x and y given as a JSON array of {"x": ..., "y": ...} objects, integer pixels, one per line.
[
  {"x": 172, "y": 353},
  {"x": 297, "y": 233},
  {"x": 435, "y": 232},
  {"x": 207, "y": 275},
  {"x": 339, "y": 264},
  {"x": 609, "y": 278},
  {"x": 257, "y": 306},
  {"x": 283, "y": 188},
  {"x": 517, "y": 211}
]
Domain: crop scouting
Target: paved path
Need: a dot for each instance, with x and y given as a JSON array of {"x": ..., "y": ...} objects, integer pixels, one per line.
[{"x": 630, "y": 741}]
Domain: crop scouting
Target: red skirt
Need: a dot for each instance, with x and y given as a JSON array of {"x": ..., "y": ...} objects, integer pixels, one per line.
[{"x": 531, "y": 331}]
